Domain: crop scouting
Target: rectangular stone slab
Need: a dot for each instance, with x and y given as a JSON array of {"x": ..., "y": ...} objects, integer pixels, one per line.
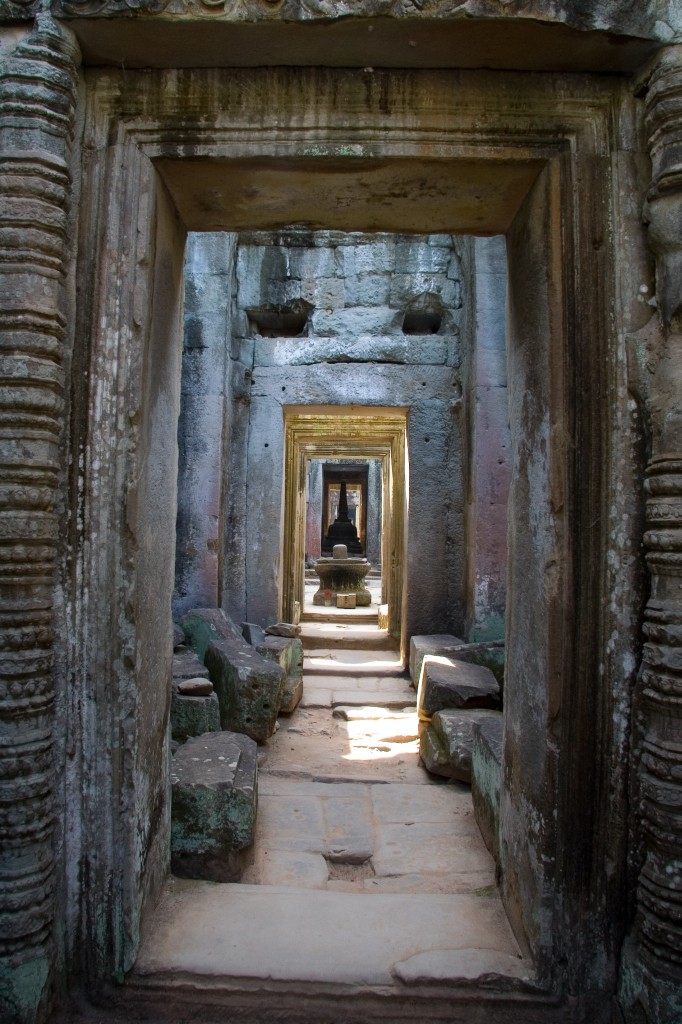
[
  {"x": 193, "y": 716},
  {"x": 453, "y": 683},
  {"x": 213, "y": 805},
  {"x": 432, "y": 643},
  {"x": 287, "y": 652},
  {"x": 186, "y": 665},
  {"x": 249, "y": 687},
  {"x": 445, "y": 745},
  {"x": 296, "y": 935}
]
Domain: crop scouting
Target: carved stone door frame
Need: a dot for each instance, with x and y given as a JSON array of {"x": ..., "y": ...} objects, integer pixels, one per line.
[{"x": 553, "y": 162}]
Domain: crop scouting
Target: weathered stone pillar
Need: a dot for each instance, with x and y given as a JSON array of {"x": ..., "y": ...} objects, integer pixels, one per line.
[
  {"x": 651, "y": 983},
  {"x": 37, "y": 104}
]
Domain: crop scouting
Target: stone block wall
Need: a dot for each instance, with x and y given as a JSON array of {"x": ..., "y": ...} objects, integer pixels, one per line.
[
  {"x": 357, "y": 290},
  {"x": 206, "y": 393},
  {"x": 295, "y": 317}
]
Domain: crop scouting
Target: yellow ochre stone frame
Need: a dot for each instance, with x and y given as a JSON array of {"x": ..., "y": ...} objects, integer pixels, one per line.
[{"x": 349, "y": 431}]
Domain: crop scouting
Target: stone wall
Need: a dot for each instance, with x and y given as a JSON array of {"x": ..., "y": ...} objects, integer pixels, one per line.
[
  {"x": 488, "y": 464},
  {"x": 369, "y": 305},
  {"x": 205, "y": 398}
]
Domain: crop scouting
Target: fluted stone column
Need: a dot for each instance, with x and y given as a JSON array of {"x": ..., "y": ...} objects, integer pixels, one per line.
[
  {"x": 651, "y": 983},
  {"x": 37, "y": 102}
]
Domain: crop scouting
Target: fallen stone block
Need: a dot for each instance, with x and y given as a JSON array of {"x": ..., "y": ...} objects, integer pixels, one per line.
[
  {"x": 286, "y": 629},
  {"x": 203, "y": 625},
  {"x": 486, "y": 780},
  {"x": 186, "y": 665},
  {"x": 453, "y": 683},
  {"x": 489, "y": 654},
  {"x": 213, "y": 808},
  {"x": 445, "y": 745},
  {"x": 252, "y": 633},
  {"x": 249, "y": 687},
  {"x": 178, "y": 636},
  {"x": 433, "y": 643},
  {"x": 288, "y": 654},
  {"x": 194, "y": 709}
]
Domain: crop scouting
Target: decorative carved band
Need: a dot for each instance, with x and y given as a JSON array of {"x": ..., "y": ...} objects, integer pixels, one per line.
[
  {"x": 663, "y": 107},
  {"x": 660, "y": 770},
  {"x": 37, "y": 105}
]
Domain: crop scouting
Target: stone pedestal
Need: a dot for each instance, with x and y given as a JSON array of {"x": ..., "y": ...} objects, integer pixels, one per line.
[{"x": 343, "y": 576}]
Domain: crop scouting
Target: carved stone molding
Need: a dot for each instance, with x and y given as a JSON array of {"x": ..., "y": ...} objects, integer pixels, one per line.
[
  {"x": 656, "y": 953},
  {"x": 37, "y": 103}
]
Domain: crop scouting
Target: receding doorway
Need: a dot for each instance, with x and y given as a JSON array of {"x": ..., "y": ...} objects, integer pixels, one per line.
[{"x": 346, "y": 432}]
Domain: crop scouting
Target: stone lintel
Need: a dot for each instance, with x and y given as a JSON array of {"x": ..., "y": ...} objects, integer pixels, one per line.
[{"x": 364, "y": 34}]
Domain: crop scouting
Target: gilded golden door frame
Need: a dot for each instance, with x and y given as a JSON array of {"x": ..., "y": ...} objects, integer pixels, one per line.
[{"x": 330, "y": 431}]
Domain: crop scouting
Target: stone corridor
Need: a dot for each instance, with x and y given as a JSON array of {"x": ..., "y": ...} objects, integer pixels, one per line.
[{"x": 367, "y": 874}]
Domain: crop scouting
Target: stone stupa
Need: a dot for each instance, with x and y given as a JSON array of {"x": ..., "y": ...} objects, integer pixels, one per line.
[{"x": 342, "y": 530}]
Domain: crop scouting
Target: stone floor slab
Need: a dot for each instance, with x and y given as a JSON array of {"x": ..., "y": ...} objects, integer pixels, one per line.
[
  {"x": 428, "y": 848},
  {"x": 480, "y": 882},
  {"x": 393, "y": 804},
  {"x": 349, "y": 828},
  {"x": 293, "y": 822},
  {"x": 304, "y": 935},
  {"x": 296, "y": 868}
]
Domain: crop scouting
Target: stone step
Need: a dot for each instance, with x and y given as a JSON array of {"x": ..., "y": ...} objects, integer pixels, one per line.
[
  {"x": 353, "y": 635},
  {"x": 348, "y": 616},
  {"x": 285, "y": 935},
  {"x": 455, "y": 992}
]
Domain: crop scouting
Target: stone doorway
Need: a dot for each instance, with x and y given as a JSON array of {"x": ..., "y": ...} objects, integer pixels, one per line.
[
  {"x": 154, "y": 171},
  {"x": 371, "y": 432}
]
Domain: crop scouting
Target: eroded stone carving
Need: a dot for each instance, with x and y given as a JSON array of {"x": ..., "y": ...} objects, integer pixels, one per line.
[
  {"x": 37, "y": 99},
  {"x": 657, "y": 358}
]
